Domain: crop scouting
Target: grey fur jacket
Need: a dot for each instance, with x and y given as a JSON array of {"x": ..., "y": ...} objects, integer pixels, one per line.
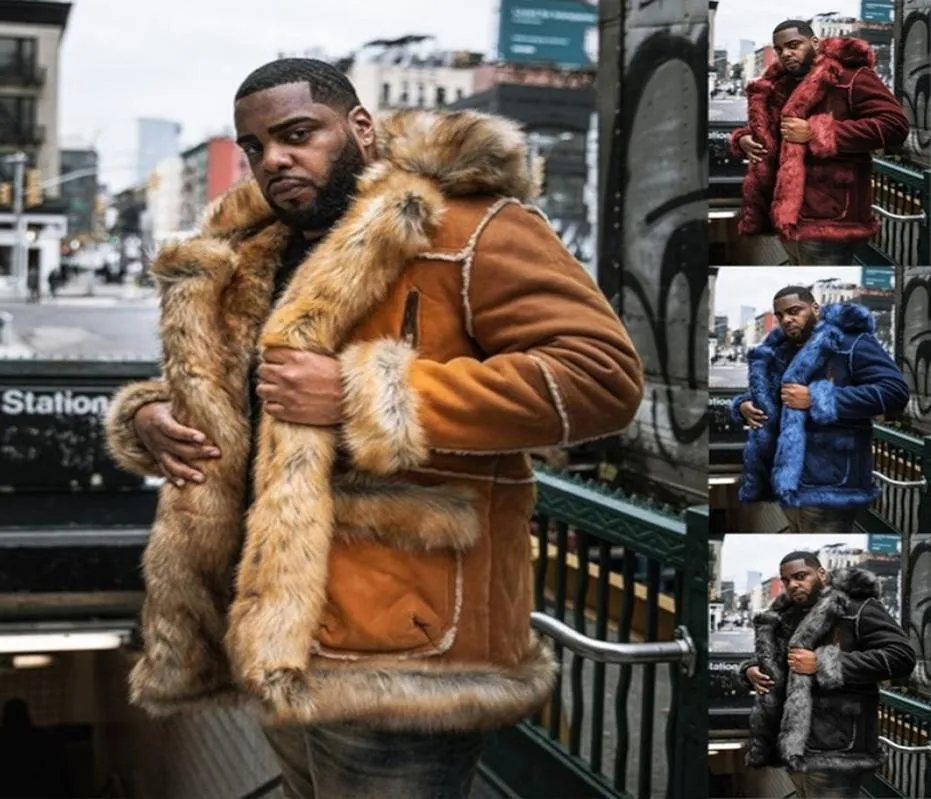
[{"x": 828, "y": 720}]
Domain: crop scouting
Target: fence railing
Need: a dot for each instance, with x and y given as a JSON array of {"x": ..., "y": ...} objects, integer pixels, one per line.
[
  {"x": 905, "y": 734},
  {"x": 615, "y": 569},
  {"x": 902, "y": 465},
  {"x": 902, "y": 202}
]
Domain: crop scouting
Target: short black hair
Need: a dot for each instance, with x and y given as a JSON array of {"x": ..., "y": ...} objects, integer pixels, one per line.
[
  {"x": 810, "y": 558},
  {"x": 803, "y": 27},
  {"x": 803, "y": 293},
  {"x": 327, "y": 84}
]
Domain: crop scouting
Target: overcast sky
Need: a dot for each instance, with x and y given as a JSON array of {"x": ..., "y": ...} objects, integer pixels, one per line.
[
  {"x": 756, "y": 285},
  {"x": 183, "y": 59},
  {"x": 762, "y": 553},
  {"x": 755, "y": 19}
]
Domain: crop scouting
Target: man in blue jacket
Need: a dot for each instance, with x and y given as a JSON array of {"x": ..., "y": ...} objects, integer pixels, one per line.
[{"x": 815, "y": 384}]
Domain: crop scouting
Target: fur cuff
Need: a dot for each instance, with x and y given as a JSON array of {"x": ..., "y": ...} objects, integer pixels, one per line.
[
  {"x": 381, "y": 429},
  {"x": 122, "y": 441},
  {"x": 823, "y": 142},
  {"x": 823, "y": 402},
  {"x": 830, "y": 672}
]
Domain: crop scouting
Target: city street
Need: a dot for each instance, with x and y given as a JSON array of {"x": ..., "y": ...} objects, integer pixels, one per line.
[
  {"x": 731, "y": 640},
  {"x": 727, "y": 375}
]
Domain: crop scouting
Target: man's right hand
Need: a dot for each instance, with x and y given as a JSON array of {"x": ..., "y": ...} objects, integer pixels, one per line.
[
  {"x": 754, "y": 416},
  {"x": 174, "y": 446},
  {"x": 762, "y": 683},
  {"x": 754, "y": 150}
]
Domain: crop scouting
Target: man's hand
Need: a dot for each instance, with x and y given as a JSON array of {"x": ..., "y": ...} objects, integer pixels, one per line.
[
  {"x": 754, "y": 150},
  {"x": 762, "y": 683},
  {"x": 796, "y": 130},
  {"x": 754, "y": 416},
  {"x": 301, "y": 387},
  {"x": 796, "y": 396},
  {"x": 803, "y": 661},
  {"x": 174, "y": 446}
]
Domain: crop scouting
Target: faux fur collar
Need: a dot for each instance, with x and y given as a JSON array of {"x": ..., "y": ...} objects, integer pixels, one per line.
[
  {"x": 848, "y": 317},
  {"x": 465, "y": 152}
]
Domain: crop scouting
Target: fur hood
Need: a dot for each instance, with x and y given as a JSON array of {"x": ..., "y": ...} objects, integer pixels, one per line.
[
  {"x": 465, "y": 152},
  {"x": 839, "y": 53},
  {"x": 842, "y": 318},
  {"x": 846, "y": 585}
]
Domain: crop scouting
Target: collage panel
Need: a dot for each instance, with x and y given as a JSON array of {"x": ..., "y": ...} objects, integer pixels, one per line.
[
  {"x": 818, "y": 399},
  {"x": 817, "y": 671}
]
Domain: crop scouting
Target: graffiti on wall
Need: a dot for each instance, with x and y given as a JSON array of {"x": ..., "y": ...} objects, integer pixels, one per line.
[
  {"x": 654, "y": 243},
  {"x": 915, "y": 343},
  {"x": 913, "y": 76},
  {"x": 919, "y": 609}
]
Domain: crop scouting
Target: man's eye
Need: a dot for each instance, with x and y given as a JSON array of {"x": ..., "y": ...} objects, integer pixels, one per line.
[
  {"x": 298, "y": 135},
  {"x": 252, "y": 151}
]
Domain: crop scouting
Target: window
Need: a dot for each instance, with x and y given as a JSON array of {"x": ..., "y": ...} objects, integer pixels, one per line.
[
  {"x": 404, "y": 93},
  {"x": 421, "y": 96},
  {"x": 17, "y": 56},
  {"x": 459, "y": 94},
  {"x": 386, "y": 94},
  {"x": 440, "y": 96},
  {"x": 18, "y": 120}
]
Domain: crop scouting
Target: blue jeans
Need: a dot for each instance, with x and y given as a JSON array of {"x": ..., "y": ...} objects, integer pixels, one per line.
[
  {"x": 350, "y": 762},
  {"x": 820, "y": 253},
  {"x": 827, "y": 785}
]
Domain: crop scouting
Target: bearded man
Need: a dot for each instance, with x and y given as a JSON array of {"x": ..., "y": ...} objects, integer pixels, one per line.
[
  {"x": 814, "y": 118},
  {"x": 360, "y": 348}
]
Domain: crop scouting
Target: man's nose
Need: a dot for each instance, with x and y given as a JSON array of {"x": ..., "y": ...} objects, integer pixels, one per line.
[{"x": 275, "y": 160}]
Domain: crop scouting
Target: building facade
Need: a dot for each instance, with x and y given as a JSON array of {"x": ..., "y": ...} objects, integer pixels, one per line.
[
  {"x": 208, "y": 170},
  {"x": 157, "y": 139},
  {"x": 79, "y": 194}
]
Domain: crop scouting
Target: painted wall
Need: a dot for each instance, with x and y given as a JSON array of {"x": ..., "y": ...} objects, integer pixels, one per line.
[
  {"x": 913, "y": 74},
  {"x": 653, "y": 235}
]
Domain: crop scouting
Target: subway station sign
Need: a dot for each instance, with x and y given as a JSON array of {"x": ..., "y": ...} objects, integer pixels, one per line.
[{"x": 877, "y": 10}]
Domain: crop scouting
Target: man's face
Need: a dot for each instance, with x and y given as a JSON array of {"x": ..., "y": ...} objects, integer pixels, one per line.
[
  {"x": 795, "y": 50},
  {"x": 796, "y": 317},
  {"x": 803, "y": 583},
  {"x": 304, "y": 155}
]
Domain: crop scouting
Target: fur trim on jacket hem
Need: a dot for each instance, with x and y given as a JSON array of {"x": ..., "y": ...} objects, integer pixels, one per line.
[
  {"x": 122, "y": 441},
  {"x": 381, "y": 431}
]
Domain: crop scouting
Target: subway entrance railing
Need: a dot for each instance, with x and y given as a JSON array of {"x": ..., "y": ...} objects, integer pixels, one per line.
[
  {"x": 905, "y": 734},
  {"x": 621, "y": 587},
  {"x": 902, "y": 202},
  {"x": 902, "y": 468}
]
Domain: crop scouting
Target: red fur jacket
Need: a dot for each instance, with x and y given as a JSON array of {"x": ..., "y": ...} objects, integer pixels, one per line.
[{"x": 820, "y": 190}]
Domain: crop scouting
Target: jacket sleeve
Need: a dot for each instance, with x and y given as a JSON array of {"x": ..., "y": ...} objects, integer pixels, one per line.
[
  {"x": 734, "y": 407},
  {"x": 556, "y": 366},
  {"x": 124, "y": 445},
  {"x": 735, "y": 138},
  {"x": 884, "y": 652},
  {"x": 878, "y": 387},
  {"x": 879, "y": 121}
]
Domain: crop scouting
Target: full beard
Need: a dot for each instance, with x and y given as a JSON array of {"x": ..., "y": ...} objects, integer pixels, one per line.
[{"x": 331, "y": 201}]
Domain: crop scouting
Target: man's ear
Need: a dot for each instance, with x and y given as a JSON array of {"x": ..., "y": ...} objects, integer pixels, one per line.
[
  {"x": 816, "y": 43},
  {"x": 816, "y": 310},
  {"x": 362, "y": 127}
]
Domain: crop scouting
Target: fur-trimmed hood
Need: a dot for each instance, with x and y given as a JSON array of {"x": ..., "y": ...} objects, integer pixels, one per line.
[
  {"x": 466, "y": 152},
  {"x": 842, "y": 52}
]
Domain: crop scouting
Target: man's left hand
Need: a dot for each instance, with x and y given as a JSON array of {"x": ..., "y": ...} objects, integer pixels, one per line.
[
  {"x": 803, "y": 661},
  {"x": 796, "y": 396},
  {"x": 796, "y": 130},
  {"x": 301, "y": 387}
]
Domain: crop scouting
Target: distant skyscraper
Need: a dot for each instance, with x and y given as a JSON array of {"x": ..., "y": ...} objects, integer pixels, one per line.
[
  {"x": 747, "y": 47},
  {"x": 158, "y": 139},
  {"x": 747, "y": 314},
  {"x": 753, "y": 580}
]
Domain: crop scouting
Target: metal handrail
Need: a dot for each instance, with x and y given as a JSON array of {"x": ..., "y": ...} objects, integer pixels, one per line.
[
  {"x": 900, "y": 483},
  {"x": 922, "y": 217},
  {"x": 902, "y": 748},
  {"x": 682, "y": 650}
]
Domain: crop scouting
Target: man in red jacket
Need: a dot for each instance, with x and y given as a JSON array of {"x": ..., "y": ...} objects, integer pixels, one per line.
[{"x": 814, "y": 118}]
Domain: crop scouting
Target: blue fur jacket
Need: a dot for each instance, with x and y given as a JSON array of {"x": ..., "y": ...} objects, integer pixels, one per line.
[{"x": 822, "y": 456}]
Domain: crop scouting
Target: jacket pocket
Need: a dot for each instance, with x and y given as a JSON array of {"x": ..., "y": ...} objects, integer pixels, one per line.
[
  {"x": 828, "y": 458},
  {"x": 383, "y": 601},
  {"x": 834, "y": 723},
  {"x": 827, "y": 191}
]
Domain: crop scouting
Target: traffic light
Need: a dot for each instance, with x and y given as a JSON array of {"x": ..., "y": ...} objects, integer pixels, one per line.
[
  {"x": 6, "y": 194},
  {"x": 34, "y": 193}
]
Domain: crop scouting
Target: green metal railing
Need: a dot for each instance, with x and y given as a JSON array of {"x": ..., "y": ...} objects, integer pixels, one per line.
[
  {"x": 902, "y": 202},
  {"x": 905, "y": 733},
  {"x": 903, "y": 470},
  {"x": 616, "y": 569}
]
